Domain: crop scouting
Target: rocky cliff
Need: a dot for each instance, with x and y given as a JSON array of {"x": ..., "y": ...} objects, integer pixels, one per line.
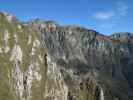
[{"x": 41, "y": 60}]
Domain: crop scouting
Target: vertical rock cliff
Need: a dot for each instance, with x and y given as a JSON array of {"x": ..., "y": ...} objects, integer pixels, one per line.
[{"x": 41, "y": 60}]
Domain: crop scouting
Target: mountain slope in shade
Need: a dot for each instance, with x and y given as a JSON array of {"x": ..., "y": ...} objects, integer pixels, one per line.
[{"x": 41, "y": 60}]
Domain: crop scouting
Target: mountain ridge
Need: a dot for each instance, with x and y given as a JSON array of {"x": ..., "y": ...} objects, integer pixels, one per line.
[{"x": 41, "y": 60}]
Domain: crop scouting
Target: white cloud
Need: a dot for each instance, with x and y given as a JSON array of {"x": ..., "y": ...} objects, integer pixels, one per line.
[
  {"x": 103, "y": 15},
  {"x": 110, "y": 18},
  {"x": 122, "y": 8}
]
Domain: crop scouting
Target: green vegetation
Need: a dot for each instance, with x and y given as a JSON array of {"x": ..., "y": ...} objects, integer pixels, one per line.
[{"x": 6, "y": 65}]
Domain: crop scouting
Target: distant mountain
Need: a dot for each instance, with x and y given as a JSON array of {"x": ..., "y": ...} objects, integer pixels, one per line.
[{"x": 41, "y": 60}]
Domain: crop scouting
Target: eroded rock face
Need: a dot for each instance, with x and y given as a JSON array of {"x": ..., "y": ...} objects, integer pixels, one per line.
[
  {"x": 55, "y": 88},
  {"x": 79, "y": 51},
  {"x": 41, "y": 60}
]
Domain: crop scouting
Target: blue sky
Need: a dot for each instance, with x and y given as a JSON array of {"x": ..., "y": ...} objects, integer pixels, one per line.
[{"x": 105, "y": 16}]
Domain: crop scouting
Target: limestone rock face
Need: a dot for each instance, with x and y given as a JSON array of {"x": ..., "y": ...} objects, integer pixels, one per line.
[
  {"x": 26, "y": 73},
  {"x": 41, "y": 60}
]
